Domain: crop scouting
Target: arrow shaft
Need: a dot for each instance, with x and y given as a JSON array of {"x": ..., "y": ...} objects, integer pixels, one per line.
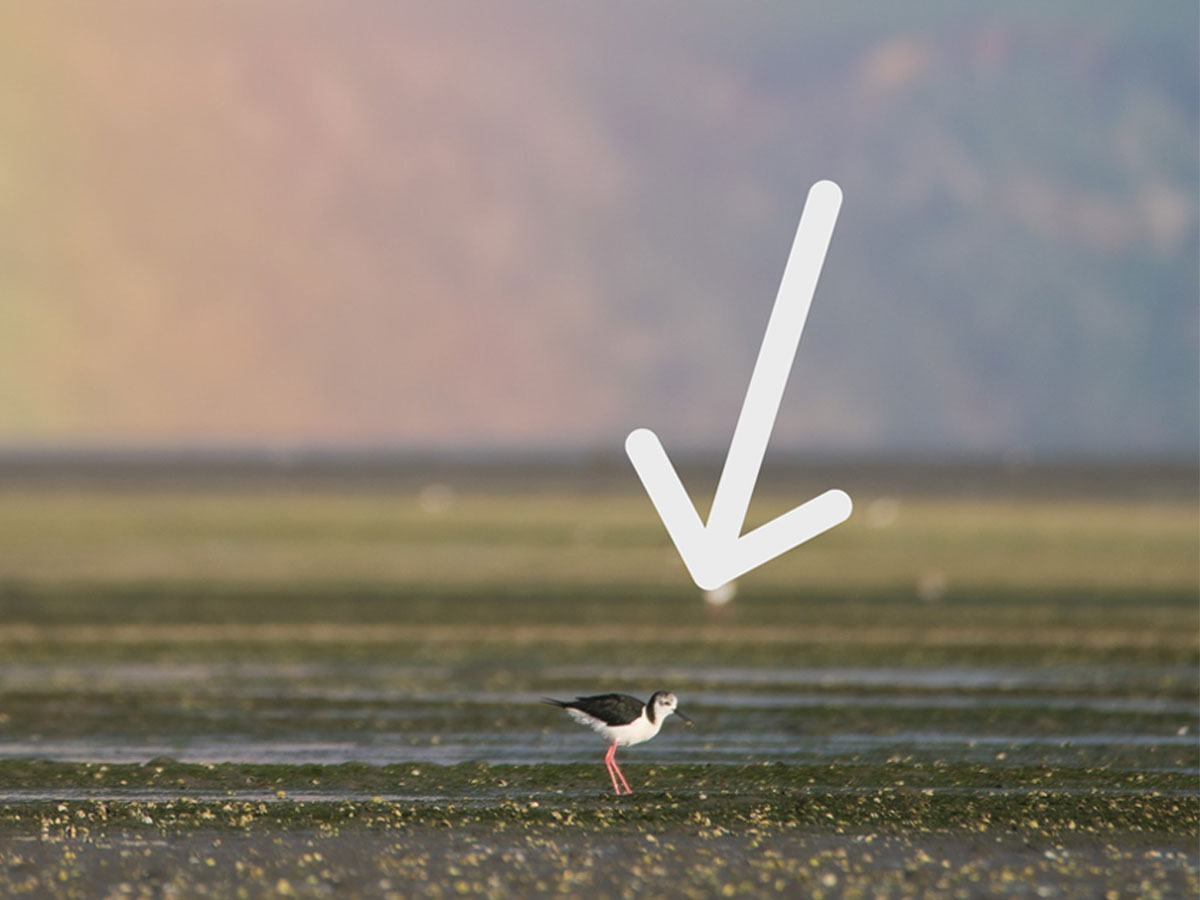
[
  {"x": 801, "y": 524},
  {"x": 765, "y": 393}
]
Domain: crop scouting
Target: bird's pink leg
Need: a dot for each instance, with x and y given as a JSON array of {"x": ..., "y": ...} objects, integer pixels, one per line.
[
  {"x": 617, "y": 769},
  {"x": 610, "y": 763}
]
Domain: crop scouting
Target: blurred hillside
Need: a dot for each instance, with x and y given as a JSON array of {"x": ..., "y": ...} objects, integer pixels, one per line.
[{"x": 450, "y": 225}]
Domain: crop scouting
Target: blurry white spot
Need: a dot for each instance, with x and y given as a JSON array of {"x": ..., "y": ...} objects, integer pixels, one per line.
[
  {"x": 436, "y": 498},
  {"x": 1183, "y": 729},
  {"x": 722, "y": 595},
  {"x": 882, "y": 512},
  {"x": 932, "y": 585}
]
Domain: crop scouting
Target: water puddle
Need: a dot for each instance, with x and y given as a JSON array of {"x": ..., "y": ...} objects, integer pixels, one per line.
[
  {"x": 532, "y": 747},
  {"x": 372, "y": 679}
]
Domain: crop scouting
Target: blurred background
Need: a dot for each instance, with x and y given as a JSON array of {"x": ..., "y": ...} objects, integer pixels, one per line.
[
  {"x": 322, "y": 326},
  {"x": 534, "y": 227}
]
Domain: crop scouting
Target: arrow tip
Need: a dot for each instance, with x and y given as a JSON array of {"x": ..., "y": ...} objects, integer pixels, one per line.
[{"x": 710, "y": 581}]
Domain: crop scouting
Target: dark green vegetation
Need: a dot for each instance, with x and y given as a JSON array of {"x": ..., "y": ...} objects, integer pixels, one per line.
[
  {"x": 482, "y": 779},
  {"x": 335, "y": 693}
]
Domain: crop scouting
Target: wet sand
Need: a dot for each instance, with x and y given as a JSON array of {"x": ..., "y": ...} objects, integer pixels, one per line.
[{"x": 324, "y": 694}]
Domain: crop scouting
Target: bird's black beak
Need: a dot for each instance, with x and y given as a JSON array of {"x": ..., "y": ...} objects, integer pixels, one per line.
[{"x": 686, "y": 720}]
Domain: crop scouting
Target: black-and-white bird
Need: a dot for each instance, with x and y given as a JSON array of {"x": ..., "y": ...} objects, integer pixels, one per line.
[{"x": 621, "y": 720}]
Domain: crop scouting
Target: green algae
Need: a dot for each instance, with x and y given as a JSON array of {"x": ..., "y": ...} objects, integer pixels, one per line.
[
  {"x": 1044, "y": 813},
  {"x": 424, "y": 778},
  {"x": 898, "y": 798}
]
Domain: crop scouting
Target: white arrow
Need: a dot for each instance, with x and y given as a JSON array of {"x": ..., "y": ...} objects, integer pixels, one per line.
[{"x": 717, "y": 553}]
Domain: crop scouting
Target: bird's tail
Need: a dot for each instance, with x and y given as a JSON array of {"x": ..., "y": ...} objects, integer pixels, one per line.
[{"x": 559, "y": 703}]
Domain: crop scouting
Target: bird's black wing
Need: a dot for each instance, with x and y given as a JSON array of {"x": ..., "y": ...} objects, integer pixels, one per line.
[{"x": 612, "y": 709}]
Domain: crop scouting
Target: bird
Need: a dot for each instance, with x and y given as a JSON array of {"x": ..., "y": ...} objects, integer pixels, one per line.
[{"x": 621, "y": 720}]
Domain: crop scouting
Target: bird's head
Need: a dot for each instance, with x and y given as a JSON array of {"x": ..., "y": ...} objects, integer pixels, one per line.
[{"x": 664, "y": 703}]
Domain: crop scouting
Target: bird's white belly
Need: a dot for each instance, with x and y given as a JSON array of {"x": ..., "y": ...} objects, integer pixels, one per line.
[{"x": 641, "y": 729}]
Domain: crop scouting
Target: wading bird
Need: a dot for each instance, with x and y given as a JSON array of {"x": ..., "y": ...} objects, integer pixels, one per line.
[{"x": 621, "y": 720}]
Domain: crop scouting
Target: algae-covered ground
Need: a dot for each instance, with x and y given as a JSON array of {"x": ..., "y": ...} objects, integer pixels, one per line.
[{"x": 276, "y": 688}]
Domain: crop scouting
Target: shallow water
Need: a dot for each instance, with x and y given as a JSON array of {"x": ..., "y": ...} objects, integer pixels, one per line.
[
  {"x": 364, "y": 678},
  {"x": 1118, "y": 750},
  {"x": 335, "y": 712}
]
